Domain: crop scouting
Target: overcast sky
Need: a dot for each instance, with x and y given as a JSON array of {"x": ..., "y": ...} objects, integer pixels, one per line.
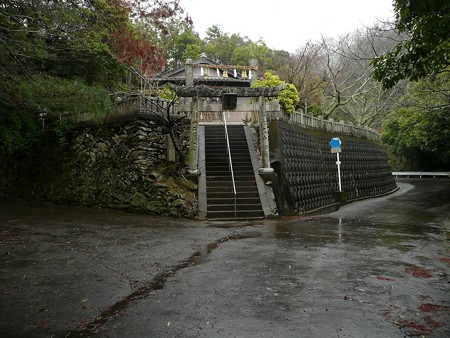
[{"x": 286, "y": 24}]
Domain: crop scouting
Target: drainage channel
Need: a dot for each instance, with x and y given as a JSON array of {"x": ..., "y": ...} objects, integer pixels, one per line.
[{"x": 94, "y": 325}]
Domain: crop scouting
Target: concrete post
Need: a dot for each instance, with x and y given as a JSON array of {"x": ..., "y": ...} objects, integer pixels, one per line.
[
  {"x": 193, "y": 138},
  {"x": 189, "y": 73},
  {"x": 193, "y": 133},
  {"x": 253, "y": 63},
  {"x": 188, "y": 78},
  {"x": 264, "y": 137}
]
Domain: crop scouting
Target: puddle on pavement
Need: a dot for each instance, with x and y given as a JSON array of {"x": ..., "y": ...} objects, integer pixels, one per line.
[
  {"x": 232, "y": 224},
  {"x": 93, "y": 326},
  {"x": 327, "y": 230}
]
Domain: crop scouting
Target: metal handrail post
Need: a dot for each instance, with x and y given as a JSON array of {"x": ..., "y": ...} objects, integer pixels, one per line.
[{"x": 230, "y": 161}]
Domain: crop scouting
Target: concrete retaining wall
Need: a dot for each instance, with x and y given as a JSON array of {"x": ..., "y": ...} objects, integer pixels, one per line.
[{"x": 307, "y": 171}]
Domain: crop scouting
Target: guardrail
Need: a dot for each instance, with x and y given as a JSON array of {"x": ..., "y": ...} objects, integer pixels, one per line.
[{"x": 420, "y": 174}]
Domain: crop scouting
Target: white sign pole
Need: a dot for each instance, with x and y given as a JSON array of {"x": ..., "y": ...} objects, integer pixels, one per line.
[{"x": 339, "y": 171}]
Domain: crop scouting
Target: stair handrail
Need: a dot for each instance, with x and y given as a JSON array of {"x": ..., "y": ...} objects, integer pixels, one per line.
[{"x": 230, "y": 161}]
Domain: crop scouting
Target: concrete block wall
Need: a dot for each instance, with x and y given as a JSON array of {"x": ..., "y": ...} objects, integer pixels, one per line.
[{"x": 307, "y": 171}]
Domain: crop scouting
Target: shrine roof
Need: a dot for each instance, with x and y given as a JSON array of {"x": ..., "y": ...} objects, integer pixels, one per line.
[{"x": 208, "y": 71}]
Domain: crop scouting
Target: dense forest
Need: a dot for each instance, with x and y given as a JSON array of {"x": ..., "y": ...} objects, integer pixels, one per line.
[{"x": 59, "y": 58}]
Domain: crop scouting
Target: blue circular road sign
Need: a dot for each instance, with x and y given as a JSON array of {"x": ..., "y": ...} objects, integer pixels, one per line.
[{"x": 335, "y": 142}]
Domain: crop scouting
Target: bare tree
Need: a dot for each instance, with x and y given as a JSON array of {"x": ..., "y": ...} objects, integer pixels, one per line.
[
  {"x": 368, "y": 106},
  {"x": 302, "y": 70},
  {"x": 162, "y": 102},
  {"x": 341, "y": 75},
  {"x": 351, "y": 90}
]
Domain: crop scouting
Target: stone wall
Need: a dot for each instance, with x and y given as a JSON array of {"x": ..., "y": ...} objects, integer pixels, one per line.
[
  {"x": 119, "y": 166},
  {"x": 307, "y": 170}
]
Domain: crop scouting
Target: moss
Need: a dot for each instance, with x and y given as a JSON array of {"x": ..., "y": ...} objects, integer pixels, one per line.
[{"x": 138, "y": 200}]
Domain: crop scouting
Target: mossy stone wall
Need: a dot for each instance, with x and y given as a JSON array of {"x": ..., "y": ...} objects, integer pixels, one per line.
[{"x": 121, "y": 166}]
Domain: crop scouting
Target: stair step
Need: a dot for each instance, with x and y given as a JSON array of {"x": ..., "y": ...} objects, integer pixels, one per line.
[
  {"x": 212, "y": 172},
  {"x": 222, "y": 132},
  {"x": 240, "y": 183},
  {"x": 237, "y": 167},
  {"x": 225, "y": 184},
  {"x": 238, "y": 139},
  {"x": 223, "y": 149},
  {"x": 220, "y": 197},
  {"x": 228, "y": 178},
  {"x": 211, "y": 160},
  {"x": 222, "y": 139},
  {"x": 230, "y": 195},
  {"x": 225, "y": 165},
  {"x": 215, "y": 153},
  {"x": 223, "y": 143},
  {"x": 226, "y": 161},
  {"x": 230, "y": 207},
  {"x": 246, "y": 200},
  {"x": 227, "y": 173},
  {"x": 219, "y": 154},
  {"x": 230, "y": 189},
  {"x": 230, "y": 215},
  {"x": 223, "y": 161},
  {"x": 240, "y": 162}
]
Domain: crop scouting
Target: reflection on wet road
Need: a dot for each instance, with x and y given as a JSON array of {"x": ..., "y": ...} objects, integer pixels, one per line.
[{"x": 374, "y": 268}]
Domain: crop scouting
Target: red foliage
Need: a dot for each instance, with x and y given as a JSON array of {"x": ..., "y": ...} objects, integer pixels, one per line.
[
  {"x": 432, "y": 323},
  {"x": 445, "y": 260},
  {"x": 433, "y": 308},
  {"x": 415, "y": 328},
  {"x": 157, "y": 12},
  {"x": 138, "y": 51},
  {"x": 387, "y": 313},
  {"x": 386, "y": 278},
  {"x": 420, "y": 272}
]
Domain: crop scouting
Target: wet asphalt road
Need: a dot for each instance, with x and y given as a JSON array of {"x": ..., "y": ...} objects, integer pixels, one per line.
[{"x": 375, "y": 268}]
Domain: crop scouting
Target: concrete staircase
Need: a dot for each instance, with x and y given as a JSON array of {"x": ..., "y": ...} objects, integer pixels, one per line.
[{"x": 219, "y": 186}]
